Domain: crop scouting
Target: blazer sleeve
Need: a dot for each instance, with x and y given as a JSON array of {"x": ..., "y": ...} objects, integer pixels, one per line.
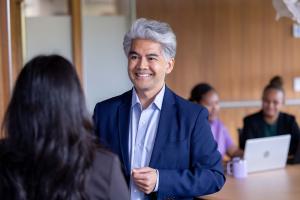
[
  {"x": 295, "y": 136},
  {"x": 118, "y": 188},
  {"x": 246, "y": 133},
  {"x": 205, "y": 174}
]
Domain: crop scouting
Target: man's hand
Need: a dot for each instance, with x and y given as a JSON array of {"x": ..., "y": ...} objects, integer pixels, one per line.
[{"x": 145, "y": 178}]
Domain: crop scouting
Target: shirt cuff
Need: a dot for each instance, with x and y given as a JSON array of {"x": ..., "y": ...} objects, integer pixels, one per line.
[{"x": 157, "y": 181}]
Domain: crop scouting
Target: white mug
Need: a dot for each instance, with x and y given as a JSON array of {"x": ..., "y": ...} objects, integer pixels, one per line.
[{"x": 237, "y": 168}]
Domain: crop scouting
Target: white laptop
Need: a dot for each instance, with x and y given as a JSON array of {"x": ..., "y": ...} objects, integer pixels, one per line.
[{"x": 267, "y": 153}]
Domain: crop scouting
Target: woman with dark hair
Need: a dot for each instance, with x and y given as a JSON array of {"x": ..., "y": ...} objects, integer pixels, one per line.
[
  {"x": 49, "y": 151},
  {"x": 207, "y": 96},
  {"x": 270, "y": 121}
]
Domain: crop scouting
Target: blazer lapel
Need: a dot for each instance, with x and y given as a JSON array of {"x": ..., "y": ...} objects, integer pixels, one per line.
[
  {"x": 280, "y": 125},
  {"x": 168, "y": 112},
  {"x": 260, "y": 126},
  {"x": 124, "y": 116}
]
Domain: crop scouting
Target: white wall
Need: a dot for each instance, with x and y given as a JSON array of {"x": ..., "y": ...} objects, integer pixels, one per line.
[
  {"x": 105, "y": 71},
  {"x": 104, "y": 63},
  {"x": 46, "y": 35}
]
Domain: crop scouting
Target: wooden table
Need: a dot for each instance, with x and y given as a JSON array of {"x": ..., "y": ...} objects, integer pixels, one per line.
[{"x": 281, "y": 184}]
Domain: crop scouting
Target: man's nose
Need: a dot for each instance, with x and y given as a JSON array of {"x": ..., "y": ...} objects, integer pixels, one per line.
[{"x": 143, "y": 64}]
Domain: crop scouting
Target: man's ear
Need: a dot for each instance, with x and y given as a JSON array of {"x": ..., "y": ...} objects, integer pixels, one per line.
[{"x": 170, "y": 66}]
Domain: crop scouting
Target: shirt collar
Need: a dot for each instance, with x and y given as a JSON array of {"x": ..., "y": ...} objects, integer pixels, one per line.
[
  {"x": 134, "y": 98},
  {"x": 158, "y": 100}
]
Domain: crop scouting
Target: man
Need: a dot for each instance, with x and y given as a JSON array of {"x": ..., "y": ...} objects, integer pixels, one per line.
[{"x": 164, "y": 141}]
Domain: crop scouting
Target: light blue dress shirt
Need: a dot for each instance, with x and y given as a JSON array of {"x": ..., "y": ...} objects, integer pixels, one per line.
[{"x": 142, "y": 132}]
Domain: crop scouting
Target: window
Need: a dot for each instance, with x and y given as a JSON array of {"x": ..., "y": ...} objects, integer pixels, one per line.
[{"x": 35, "y": 8}]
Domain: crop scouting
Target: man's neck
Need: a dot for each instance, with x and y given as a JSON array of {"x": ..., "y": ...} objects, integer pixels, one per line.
[{"x": 147, "y": 97}]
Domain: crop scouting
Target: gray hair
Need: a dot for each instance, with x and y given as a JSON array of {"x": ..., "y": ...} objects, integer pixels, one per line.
[{"x": 152, "y": 30}]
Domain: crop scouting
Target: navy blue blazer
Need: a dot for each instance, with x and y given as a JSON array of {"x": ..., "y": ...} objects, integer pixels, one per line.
[{"x": 184, "y": 152}]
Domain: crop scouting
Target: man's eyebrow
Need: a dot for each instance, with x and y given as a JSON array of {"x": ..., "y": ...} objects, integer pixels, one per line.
[
  {"x": 132, "y": 52},
  {"x": 152, "y": 54}
]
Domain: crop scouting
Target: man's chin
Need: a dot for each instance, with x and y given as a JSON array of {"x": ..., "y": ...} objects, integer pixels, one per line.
[{"x": 141, "y": 88}]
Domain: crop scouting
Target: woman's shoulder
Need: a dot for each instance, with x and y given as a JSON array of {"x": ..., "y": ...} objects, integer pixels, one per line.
[
  {"x": 7, "y": 168},
  {"x": 254, "y": 117},
  {"x": 104, "y": 162},
  {"x": 218, "y": 122},
  {"x": 105, "y": 157},
  {"x": 99, "y": 178},
  {"x": 218, "y": 125},
  {"x": 286, "y": 117},
  {"x": 221, "y": 128}
]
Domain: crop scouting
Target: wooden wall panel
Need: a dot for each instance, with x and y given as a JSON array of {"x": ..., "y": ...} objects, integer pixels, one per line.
[
  {"x": 75, "y": 8},
  {"x": 4, "y": 62},
  {"x": 9, "y": 68},
  {"x": 16, "y": 38},
  {"x": 235, "y": 45}
]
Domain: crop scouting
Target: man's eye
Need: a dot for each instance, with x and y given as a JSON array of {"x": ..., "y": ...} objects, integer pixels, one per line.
[
  {"x": 133, "y": 57},
  {"x": 151, "y": 58}
]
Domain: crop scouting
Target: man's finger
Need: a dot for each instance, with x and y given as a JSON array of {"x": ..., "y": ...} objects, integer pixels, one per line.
[
  {"x": 143, "y": 170},
  {"x": 144, "y": 188},
  {"x": 142, "y": 176}
]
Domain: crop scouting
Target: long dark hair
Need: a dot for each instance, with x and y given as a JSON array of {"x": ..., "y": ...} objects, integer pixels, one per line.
[
  {"x": 199, "y": 91},
  {"x": 48, "y": 132}
]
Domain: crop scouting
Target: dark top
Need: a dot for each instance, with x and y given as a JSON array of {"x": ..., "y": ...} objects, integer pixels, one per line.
[
  {"x": 270, "y": 129},
  {"x": 254, "y": 127},
  {"x": 104, "y": 182}
]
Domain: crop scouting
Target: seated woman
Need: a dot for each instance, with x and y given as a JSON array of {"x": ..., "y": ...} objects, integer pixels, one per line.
[
  {"x": 270, "y": 121},
  {"x": 207, "y": 96},
  {"x": 49, "y": 151}
]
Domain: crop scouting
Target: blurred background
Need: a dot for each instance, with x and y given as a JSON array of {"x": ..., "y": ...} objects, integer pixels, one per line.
[{"x": 235, "y": 45}]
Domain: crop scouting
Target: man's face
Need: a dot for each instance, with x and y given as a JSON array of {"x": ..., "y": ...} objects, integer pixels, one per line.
[{"x": 147, "y": 66}]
